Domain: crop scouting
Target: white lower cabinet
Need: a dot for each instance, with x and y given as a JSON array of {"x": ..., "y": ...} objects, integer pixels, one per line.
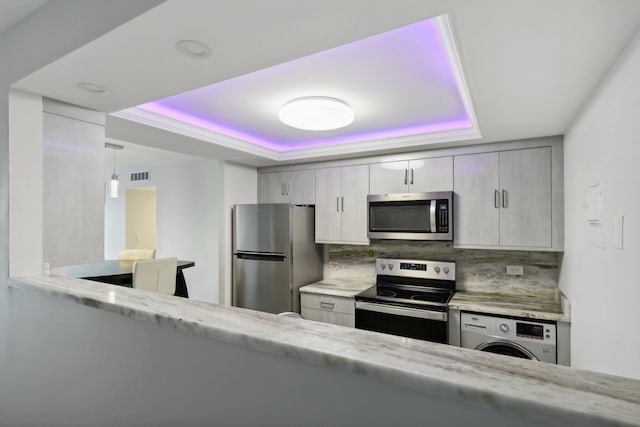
[{"x": 328, "y": 309}]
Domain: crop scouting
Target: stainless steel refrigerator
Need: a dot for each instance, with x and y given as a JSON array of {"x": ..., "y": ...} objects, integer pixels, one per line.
[{"x": 274, "y": 254}]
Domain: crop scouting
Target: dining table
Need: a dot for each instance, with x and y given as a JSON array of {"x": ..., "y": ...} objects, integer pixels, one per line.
[{"x": 120, "y": 272}]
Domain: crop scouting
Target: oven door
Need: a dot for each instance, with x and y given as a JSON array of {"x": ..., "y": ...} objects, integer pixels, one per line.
[{"x": 404, "y": 321}]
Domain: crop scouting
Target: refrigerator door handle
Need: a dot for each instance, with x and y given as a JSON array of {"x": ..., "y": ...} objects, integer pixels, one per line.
[{"x": 261, "y": 256}]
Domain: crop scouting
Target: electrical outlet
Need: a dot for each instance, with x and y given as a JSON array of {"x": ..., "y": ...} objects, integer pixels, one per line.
[{"x": 515, "y": 270}]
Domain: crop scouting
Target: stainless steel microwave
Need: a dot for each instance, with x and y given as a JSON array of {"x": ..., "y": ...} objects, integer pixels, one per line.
[{"x": 411, "y": 216}]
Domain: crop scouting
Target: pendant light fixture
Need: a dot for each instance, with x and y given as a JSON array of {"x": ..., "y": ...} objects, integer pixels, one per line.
[{"x": 114, "y": 183}]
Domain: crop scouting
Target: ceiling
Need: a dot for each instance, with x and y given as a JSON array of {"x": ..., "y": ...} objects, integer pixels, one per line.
[
  {"x": 12, "y": 11},
  {"x": 404, "y": 83},
  {"x": 529, "y": 65},
  {"x": 134, "y": 156}
]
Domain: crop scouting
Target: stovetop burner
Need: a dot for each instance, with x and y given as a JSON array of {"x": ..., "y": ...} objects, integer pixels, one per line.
[
  {"x": 429, "y": 298},
  {"x": 408, "y": 296},
  {"x": 386, "y": 293}
]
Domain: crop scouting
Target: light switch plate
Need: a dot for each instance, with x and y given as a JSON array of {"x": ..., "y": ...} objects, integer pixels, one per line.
[
  {"x": 515, "y": 270},
  {"x": 619, "y": 224},
  {"x": 594, "y": 204}
]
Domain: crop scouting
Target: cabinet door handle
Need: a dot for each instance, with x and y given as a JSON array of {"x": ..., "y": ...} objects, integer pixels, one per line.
[
  {"x": 504, "y": 198},
  {"x": 286, "y": 186},
  {"x": 337, "y": 204},
  {"x": 406, "y": 173},
  {"x": 342, "y": 203},
  {"x": 496, "y": 199},
  {"x": 282, "y": 188},
  {"x": 411, "y": 176},
  {"x": 327, "y": 305}
]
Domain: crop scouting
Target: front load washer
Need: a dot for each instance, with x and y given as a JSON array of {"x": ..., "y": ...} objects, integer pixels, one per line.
[{"x": 524, "y": 338}]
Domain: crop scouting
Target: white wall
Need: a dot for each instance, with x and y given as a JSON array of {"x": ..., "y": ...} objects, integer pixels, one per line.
[
  {"x": 25, "y": 111},
  {"x": 602, "y": 282},
  {"x": 188, "y": 212},
  {"x": 115, "y": 216},
  {"x": 73, "y": 190},
  {"x": 240, "y": 186}
]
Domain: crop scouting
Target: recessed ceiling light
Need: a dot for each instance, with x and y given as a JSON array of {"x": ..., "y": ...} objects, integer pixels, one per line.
[
  {"x": 93, "y": 88},
  {"x": 193, "y": 48},
  {"x": 316, "y": 113}
]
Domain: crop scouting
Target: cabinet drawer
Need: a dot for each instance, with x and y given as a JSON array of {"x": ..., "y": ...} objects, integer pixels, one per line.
[
  {"x": 328, "y": 303},
  {"x": 340, "y": 319}
]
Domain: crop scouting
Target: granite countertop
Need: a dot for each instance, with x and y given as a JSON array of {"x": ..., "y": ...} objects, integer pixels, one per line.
[
  {"x": 546, "y": 393},
  {"x": 530, "y": 306},
  {"x": 337, "y": 287}
]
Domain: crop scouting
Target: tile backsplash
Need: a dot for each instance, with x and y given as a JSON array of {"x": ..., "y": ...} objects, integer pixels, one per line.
[{"x": 477, "y": 270}]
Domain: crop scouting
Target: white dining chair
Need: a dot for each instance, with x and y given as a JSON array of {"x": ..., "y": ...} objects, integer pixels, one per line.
[
  {"x": 158, "y": 275},
  {"x": 136, "y": 254}
]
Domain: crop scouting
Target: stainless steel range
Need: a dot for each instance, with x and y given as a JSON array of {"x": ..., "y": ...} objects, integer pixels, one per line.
[{"x": 410, "y": 299}]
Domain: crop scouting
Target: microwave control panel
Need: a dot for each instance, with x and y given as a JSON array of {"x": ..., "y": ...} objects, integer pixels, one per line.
[{"x": 442, "y": 216}]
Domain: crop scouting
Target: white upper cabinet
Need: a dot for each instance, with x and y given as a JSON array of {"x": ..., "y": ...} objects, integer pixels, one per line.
[
  {"x": 413, "y": 176},
  {"x": 328, "y": 214},
  {"x": 271, "y": 188},
  {"x": 341, "y": 204},
  {"x": 504, "y": 199},
  {"x": 525, "y": 182},
  {"x": 294, "y": 187},
  {"x": 507, "y": 195},
  {"x": 476, "y": 209}
]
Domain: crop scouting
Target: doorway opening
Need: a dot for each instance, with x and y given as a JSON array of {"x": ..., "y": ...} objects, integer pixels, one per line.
[{"x": 140, "y": 218}]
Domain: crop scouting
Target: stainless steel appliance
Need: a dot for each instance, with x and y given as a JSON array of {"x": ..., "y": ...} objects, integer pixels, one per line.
[
  {"x": 410, "y": 299},
  {"x": 524, "y": 338},
  {"x": 274, "y": 254},
  {"x": 411, "y": 216}
]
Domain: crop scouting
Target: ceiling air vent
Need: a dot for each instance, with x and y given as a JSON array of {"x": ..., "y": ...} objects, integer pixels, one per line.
[{"x": 140, "y": 176}]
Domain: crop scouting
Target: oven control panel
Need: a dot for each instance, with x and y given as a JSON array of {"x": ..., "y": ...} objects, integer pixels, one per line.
[{"x": 444, "y": 270}]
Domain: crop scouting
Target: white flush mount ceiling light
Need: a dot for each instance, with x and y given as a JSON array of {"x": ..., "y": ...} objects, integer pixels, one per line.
[
  {"x": 193, "y": 48},
  {"x": 316, "y": 113},
  {"x": 93, "y": 88}
]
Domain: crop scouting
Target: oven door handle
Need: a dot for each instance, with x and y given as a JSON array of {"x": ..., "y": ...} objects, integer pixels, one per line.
[{"x": 401, "y": 311}]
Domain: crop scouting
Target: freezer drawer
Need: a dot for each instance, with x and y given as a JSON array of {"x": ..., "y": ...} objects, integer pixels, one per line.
[{"x": 261, "y": 284}]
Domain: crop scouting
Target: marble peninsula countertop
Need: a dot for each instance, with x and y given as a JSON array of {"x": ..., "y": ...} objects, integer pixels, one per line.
[
  {"x": 337, "y": 287},
  {"x": 543, "y": 306},
  {"x": 540, "y": 392}
]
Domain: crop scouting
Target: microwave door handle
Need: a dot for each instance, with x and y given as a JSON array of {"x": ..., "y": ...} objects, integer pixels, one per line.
[{"x": 432, "y": 215}]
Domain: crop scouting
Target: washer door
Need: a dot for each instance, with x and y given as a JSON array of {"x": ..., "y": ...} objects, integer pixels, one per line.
[{"x": 508, "y": 348}]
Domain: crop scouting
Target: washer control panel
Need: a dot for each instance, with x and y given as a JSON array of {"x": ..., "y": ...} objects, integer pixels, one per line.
[{"x": 518, "y": 330}]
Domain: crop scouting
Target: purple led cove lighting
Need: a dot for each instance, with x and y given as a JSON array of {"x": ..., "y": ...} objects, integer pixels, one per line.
[
  {"x": 163, "y": 110},
  {"x": 419, "y": 59},
  {"x": 386, "y": 133}
]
